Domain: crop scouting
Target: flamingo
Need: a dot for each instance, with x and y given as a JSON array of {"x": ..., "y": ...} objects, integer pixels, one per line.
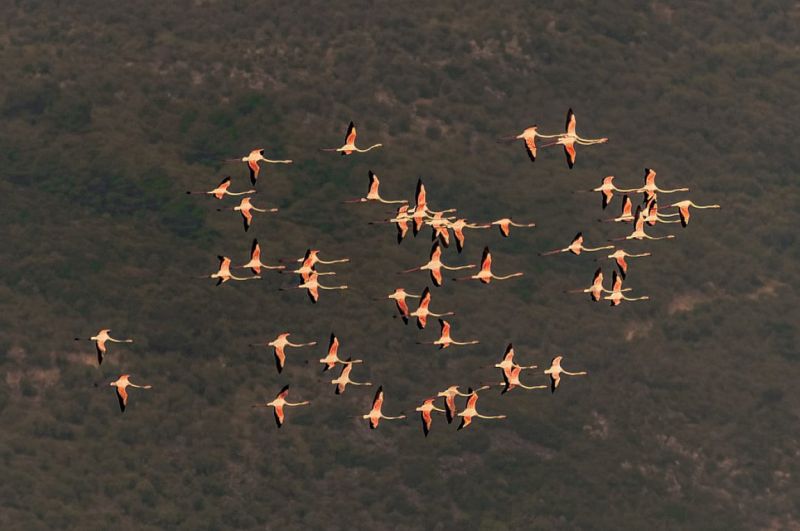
[
  {"x": 121, "y": 384},
  {"x": 425, "y": 410},
  {"x": 555, "y": 371},
  {"x": 224, "y": 273},
  {"x": 505, "y": 225},
  {"x": 470, "y": 412},
  {"x": 445, "y": 340},
  {"x": 508, "y": 363},
  {"x": 313, "y": 286},
  {"x": 344, "y": 378},
  {"x": 606, "y": 189},
  {"x": 638, "y": 230},
  {"x": 373, "y": 194},
  {"x": 619, "y": 257},
  {"x": 100, "y": 340},
  {"x": 332, "y": 358},
  {"x": 435, "y": 265},
  {"x": 441, "y": 228},
  {"x": 279, "y": 345},
  {"x": 650, "y": 189},
  {"x": 255, "y": 263},
  {"x": 421, "y": 210},
  {"x": 350, "y": 143},
  {"x": 312, "y": 258},
  {"x": 651, "y": 215},
  {"x": 422, "y": 313},
  {"x": 279, "y": 403},
  {"x": 252, "y": 160},
  {"x": 458, "y": 227},
  {"x": 375, "y": 415},
  {"x": 617, "y": 296},
  {"x": 399, "y": 296},
  {"x": 528, "y": 136},
  {"x": 511, "y": 381},
  {"x": 485, "y": 275},
  {"x": 449, "y": 396},
  {"x": 570, "y": 138},
  {"x": 222, "y": 190},
  {"x": 400, "y": 219},
  {"x": 626, "y": 215},
  {"x": 245, "y": 208},
  {"x": 683, "y": 209},
  {"x": 576, "y": 247},
  {"x": 305, "y": 272},
  {"x": 596, "y": 289}
]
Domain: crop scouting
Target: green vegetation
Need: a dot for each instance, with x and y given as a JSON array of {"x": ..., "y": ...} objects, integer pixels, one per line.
[{"x": 688, "y": 419}]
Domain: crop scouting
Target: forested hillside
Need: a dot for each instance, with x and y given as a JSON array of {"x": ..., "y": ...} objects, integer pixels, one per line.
[{"x": 110, "y": 112}]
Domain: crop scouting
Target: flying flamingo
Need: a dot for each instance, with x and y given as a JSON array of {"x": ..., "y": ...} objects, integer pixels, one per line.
[
  {"x": 435, "y": 265},
  {"x": 638, "y": 230},
  {"x": 441, "y": 228},
  {"x": 255, "y": 263},
  {"x": 445, "y": 340},
  {"x": 344, "y": 378},
  {"x": 373, "y": 194},
  {"x": 245, "y": 208},
  {"x": 279, "y": 403},
  {"x": 449, "y": 396},
  {"x": 570, "y": 138},
  {"x": 312, "y": 258},
  {"x": 576, "y": 247},
  {"x": 470, "y": 412},
  {"x": 528, "y": 136},
  {"x": 224, "y": 273},
  {"x": 425, "y": 414},
  {"x": 555, "y": 371},
  {"x": 485, "y": 275},
  {"x": 596, "y": 289},
  {"x": 100, "y": 342},
  {"x": 350, "y": 143},
  {"x": 683, "y": 209},
  {"x": 252, "y": 160},
  {"x": 651, "y": 215},
  {"x": 332, "y": 357},
  {"x": 626, "y": 216},
  {"x": 606, "y": 189},
  {"x": 511, "y": 381},
  {"x": 458, "y": 227},
  {"x": 619, "y": 257},
  {"x": 422, "y": 313},
  {"x": 399, "y": 296},
  {"x": 650, "y": 189},
  {"x": 401, "y": 220},
  {"x": 508, "y": 363},
  {"x": 305, "y": 272},
  {"x": 421, "y": 210},
  {"x": 375, "y": 415},
  {"x": 222, "y": 190},
  {"x": 279, "y": 345},
  {"x": 121, "y": 384},
  {"x": 505, "y": 225},
  {"x": 313, "y": 286},
  {"x": 617, "y": 296}
]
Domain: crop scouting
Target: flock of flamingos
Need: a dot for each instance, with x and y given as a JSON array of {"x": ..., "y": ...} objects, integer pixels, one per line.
[{"x": 441, "y": 224}]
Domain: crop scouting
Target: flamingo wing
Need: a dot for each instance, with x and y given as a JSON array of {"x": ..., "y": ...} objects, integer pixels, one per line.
[
  {"x": 350, "y": 137},
  {"x": 122, "y": 396},
  {"x": 530, "y": 148}
]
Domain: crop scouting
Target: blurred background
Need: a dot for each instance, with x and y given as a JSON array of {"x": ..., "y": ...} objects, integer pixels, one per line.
[{"x": 110, "y": 112}]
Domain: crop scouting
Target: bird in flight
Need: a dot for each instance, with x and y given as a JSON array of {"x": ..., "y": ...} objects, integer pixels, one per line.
[
  {"x": 485, "y": 274},
  {"x": 224, "y": 274},
  {"x": 399, "y": 296},
  {"x": 246, "y": 209},
  {"x": 683, "y": 209},
  {"x": 570, "y": 138},
  {"x": 555, "y": 371},
  {"x": 505, "y": 225},
  {"x": 576, "y": 247},
  {"x": 626, "y": 216},
  {"x": 596, "y": 289},
  {"x": 252, "y": 160},
  {"x": 222, "y": 190},
  {"x": 279, "y": 403},
  {"x": 445, "y": 340},
  {"x": 122, "y": 383},
  {"x": 606, "y": 189},
  {"x": 528, "y": 137},
  {"x": 425, "y": 410},
  {"x": 344, "y": 378},
  {"x": 100, "y": 340},
  {"x": 255, "y": 263},
  {"x": 638, "y": 229},
  {"x": 449, "y": 396},
  {"x": 422, "y": 312},
  {"x": 619, "y": 256},
  {"x": 373, "y": 193},
  {"x": 279, "y": 345},
  {"x": 616, "y": 295},
  {"x": 650, "y": 189},
  {"x": 350, "y": 143},
  {"x": 313, "y": 286},
  {"x": 470, "y": 412},
  {"x": 511, "y": 381},
  {"x": 435, "y": 265},
  {"x": 458, "y": 227},
  {"x": 332, "y": 357},
  {"x": 375, "y": 415}
]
